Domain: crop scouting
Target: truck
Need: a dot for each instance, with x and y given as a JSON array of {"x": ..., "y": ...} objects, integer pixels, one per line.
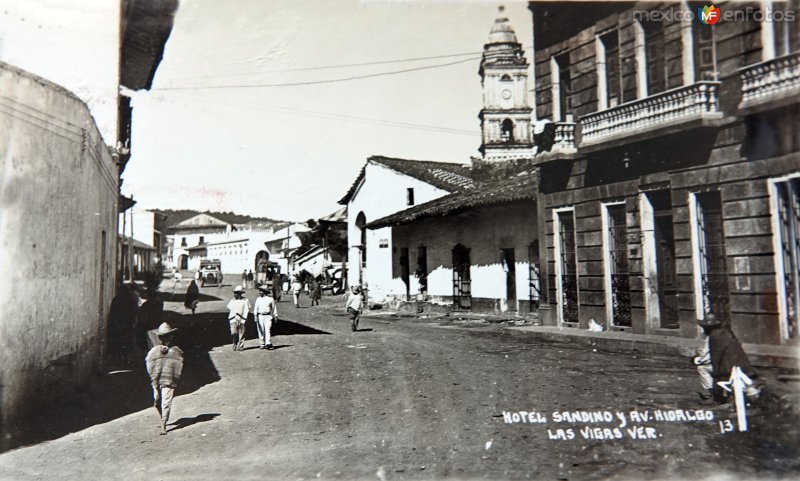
[{"x": 210, "y": 272}]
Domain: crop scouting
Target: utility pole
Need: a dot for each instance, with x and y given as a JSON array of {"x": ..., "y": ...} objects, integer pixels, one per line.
[
  {"x": 122, "y": 255},
  {"x": 130, "y": 246}
]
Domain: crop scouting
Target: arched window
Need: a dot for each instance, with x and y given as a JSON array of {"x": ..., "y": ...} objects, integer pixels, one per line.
[
  {"x": 505, "y": 78},
  {"x": 507, "y": 131}
]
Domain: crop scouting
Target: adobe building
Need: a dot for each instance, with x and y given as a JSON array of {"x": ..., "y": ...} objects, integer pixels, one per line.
[
  {"x": 477, "y": 249},
  {"x": 474, "y": 250},
  {"x": 677, "y": 193},
  {"x": 383, "y": 187},
  {"x": 60, "y": 195}
]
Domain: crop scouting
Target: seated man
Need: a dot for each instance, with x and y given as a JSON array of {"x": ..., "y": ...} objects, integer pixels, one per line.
[{"x": 724, "y": 352}]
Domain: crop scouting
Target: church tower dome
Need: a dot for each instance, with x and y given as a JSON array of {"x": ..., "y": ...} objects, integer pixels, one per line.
[{"x": 506, "y": 114}]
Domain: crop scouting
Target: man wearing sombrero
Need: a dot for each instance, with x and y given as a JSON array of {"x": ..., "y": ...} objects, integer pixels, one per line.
[
  {"x": 266, "y": 311},
  {"x": 164, "y": 365},
  {"x": 238, "y": 310},
  {"x": 722, "y": 353}
]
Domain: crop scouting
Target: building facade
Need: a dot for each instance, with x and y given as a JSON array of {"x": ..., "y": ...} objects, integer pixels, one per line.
[
  {"x": 58, "y": 237},
  {"x": 386, "y": 186},
  {"x": 672, "y": 188},
  {"x": 475, "y": 250},
  {"x": 238, "y": 246}
]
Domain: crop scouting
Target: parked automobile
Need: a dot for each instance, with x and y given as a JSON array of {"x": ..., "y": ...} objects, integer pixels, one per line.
[{"x": 210, "y": 272}]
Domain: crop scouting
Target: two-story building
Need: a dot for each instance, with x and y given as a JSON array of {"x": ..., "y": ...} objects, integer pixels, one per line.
[{"x": 673, "y": 187}]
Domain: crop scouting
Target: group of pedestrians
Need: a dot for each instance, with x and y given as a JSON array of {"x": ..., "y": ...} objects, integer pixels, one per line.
[
  {"x": 141, "y": 324},
  {"x": 248, "y": 279},
  {"x": 265, "y": 312}
]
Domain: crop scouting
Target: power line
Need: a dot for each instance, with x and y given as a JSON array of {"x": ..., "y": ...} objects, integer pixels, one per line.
[
  {"x": 316, "y": 82},
  {"x": 328, "y": 67},
  {"x": 333, "y": 116}
]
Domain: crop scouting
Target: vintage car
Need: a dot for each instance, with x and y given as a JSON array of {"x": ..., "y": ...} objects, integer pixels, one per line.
[{"x": 210, "y": 273}]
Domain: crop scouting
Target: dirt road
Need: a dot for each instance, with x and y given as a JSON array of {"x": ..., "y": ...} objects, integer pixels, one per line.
[{"x": 401, "y": 399}]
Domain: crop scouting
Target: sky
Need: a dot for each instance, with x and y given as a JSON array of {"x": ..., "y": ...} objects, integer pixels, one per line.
[{"x": 204, "y": 137}]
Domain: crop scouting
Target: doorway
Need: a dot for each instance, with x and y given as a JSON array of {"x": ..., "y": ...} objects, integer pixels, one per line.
[
  {"x": 508, "y": 262},
  {"x": 462, "y": 293}
]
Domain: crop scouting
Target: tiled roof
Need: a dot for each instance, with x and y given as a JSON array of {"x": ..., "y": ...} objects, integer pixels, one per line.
[
  {"x": 338, "y": 216},
  {"x": 444, "y": 175},
  {"x": 173, "y": 217},
  {"x": 494, "y": 192}
]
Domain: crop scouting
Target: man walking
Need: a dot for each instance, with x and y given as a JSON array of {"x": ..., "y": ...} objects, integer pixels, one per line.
[
  {"x": 276, "y": 286},
  {"x": 266, "y": 311},
  {"x": 238, "y": 310},
  {"x": 164, "y": 365}
]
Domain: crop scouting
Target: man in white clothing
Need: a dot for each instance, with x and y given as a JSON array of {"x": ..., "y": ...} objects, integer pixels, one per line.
[
  {"x": 238, "y": 310},
  {"x": 266, "y": 311}
]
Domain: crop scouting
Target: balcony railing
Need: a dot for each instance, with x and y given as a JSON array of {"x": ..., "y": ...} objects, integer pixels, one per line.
[
  {"x": 770, "y": 81},
  {"x": 666, "y": 109},
  {"x": 564, "y": 140}
]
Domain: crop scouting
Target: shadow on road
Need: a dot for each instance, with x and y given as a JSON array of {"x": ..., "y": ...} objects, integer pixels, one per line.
[
  {"x": 121, "y": 390},
  {"x": 181, "y": 296},
  {"x": 185, "y": 422},
  {"x": 289, "y": 328}
]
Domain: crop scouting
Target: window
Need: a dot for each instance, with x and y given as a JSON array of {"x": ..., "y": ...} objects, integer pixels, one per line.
[
  {"x": 609, "y": 73},
  {"x": 405, "y": 273},
  {"x": 566, "y": 265},
  {"x": 505, "y": 78},
  {"x": 462, "y": 282},
  {"x": 202, "y": 239},
  {"x": 561, "y": 86},
  {"x": 422, "y": 269},
  {"x": 507, "y": 131},
  {"x": 708, "y": 241},
  {"x": 615, "y": 259},
  {"x": 361, "y": 225},
  {"x": 786, "y": 225},
  {"x": 705, "y": 52},
  {"x": 410, "y": 196},
  {"x": 655, "y": 54},
  {"x": 183, "y": 241},
  {"x": 786, "y": 37},
  {"x": 534, "y": 288}
]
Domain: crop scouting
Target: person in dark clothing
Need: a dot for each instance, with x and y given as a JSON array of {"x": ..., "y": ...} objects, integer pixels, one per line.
[
  {"x": 314, "y": 291},
  {"x": 150, "y": 314},
  {"x": 121, "y": 319},
  {"x": 726, "y": 352},
  {"x": 276, "y": 286},
  {"x": 192, "y": 296}
]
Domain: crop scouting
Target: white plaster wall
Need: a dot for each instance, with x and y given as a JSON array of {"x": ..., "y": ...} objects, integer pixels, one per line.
[
  {"x": 58, "y": 201},
  {"x": 485, "y": 232},
  {"x": 382, "y": 192},
  {"x": 74, "y": 44}
]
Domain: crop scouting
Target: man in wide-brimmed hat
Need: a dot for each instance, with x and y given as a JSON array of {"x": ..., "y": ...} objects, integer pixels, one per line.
[
  {"x": 702, "y": 359},
  {"x": 238, "y": 310},
  {"x": 266, "y": 311},
  {"x": 164, "y": 364},
  {"x": 723, "y": 352}
]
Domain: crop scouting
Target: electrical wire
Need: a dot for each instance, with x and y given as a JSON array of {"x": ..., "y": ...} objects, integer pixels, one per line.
[
  {"x": 316, "y": 82},
  {"x": 326, "y": 115},
  {"x": 326, "y": 67}
]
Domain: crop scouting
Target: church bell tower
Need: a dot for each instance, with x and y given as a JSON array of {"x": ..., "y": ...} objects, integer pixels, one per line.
[{"x": 506, "y": 114}]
